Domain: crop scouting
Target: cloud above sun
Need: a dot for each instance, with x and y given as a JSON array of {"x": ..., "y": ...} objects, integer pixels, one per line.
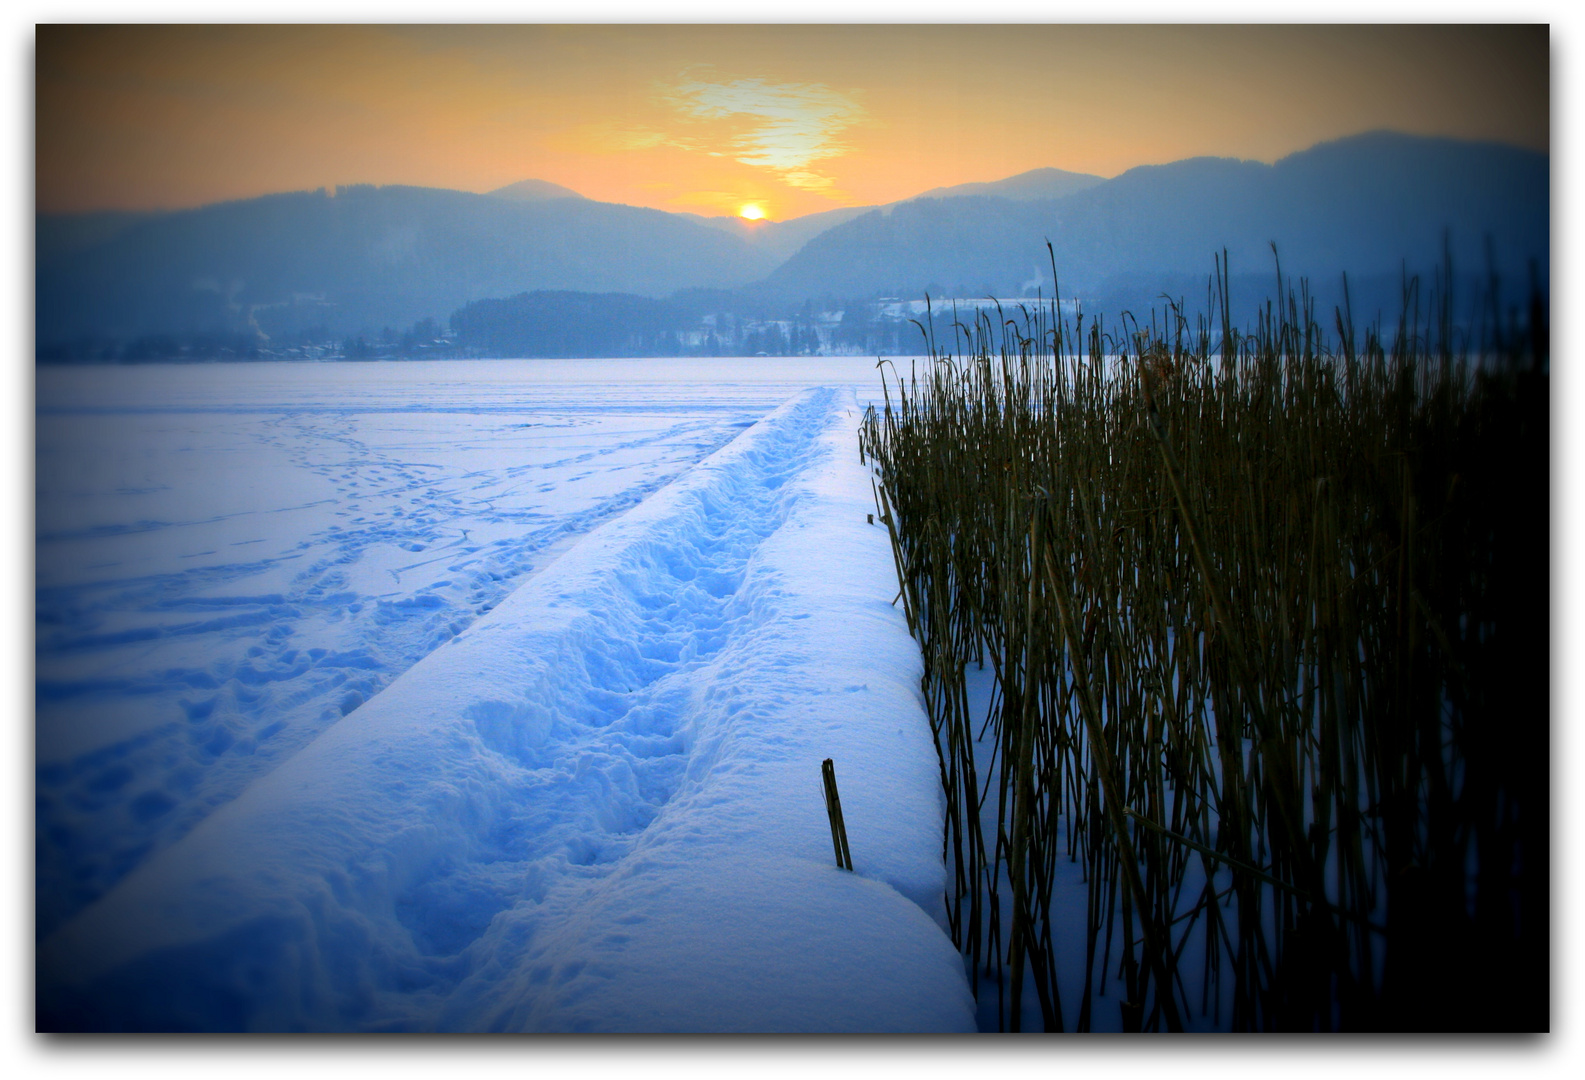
[{"x": 781, "y": 127}]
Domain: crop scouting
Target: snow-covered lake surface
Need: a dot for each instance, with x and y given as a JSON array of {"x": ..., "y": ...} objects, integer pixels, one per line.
[
  {"x": 368, "y": 700},
  {"x": 232, "y": 557}
]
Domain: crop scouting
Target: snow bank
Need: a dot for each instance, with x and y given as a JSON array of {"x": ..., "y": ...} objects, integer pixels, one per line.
[
  {"x": 596, "y": 809},
  {"x": 231, "y": 557}
]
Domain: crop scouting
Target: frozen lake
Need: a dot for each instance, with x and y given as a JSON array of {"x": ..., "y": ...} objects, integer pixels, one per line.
[
  {"x": 490, "y": 727},
  {"x": 230, "y": 558}
]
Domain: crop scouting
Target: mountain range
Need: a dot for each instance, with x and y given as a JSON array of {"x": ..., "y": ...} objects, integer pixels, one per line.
[{"x": 362, "y": 257}]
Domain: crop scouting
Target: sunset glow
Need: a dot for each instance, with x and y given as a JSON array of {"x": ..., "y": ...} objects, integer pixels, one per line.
[
  {"x": 752, "y": 212},
  {"x": 688, "y": 117}
]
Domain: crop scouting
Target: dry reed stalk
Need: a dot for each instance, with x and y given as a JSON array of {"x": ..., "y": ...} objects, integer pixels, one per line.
[{"x": 1245, "y": 599}]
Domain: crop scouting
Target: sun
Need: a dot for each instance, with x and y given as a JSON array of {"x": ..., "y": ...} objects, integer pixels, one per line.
[{"x": 752, "y": 212}]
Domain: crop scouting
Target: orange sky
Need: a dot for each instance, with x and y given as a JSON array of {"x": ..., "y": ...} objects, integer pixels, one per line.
[{"x": 796, "y": 119}]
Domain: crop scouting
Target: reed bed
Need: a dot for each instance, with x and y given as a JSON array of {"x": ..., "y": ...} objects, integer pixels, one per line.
[{"x": 1265, "y": 619}]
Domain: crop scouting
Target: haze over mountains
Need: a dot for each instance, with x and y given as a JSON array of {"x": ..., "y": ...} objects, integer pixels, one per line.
[
  {"x": 366, "y": 257},
  {"x": 362, "y": 258},
  {"x": 1364, "y": 205}
]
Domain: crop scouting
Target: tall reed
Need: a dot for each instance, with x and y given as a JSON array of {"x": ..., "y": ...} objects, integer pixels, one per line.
[{"x": 1266, "y": 617}]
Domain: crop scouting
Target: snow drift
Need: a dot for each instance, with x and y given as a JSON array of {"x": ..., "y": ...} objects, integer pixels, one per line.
[
  {"x": 231, "y": 557},
  {"x": 596, "y": 809}
]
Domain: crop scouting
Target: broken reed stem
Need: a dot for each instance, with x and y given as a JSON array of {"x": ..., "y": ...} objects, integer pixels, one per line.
[{"x": 839, "y": 829}]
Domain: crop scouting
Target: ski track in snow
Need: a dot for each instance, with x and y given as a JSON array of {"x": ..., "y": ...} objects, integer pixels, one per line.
[
  {"x": 597, "y": 809},
  {"x": 231, "y": 559}
]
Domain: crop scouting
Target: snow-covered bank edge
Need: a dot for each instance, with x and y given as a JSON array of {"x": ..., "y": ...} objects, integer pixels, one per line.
[{"x": 597, "y": 809}]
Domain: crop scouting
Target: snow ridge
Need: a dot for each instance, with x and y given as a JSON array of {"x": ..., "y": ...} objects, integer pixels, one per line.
[
  {"x": 596, "y": 809},
  {"x": 219, "y": 583}
]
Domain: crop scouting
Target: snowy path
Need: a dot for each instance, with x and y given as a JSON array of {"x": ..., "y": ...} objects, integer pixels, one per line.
[
  {"x": 597, "y": 808},
  {"x": 232, "y": 557}
]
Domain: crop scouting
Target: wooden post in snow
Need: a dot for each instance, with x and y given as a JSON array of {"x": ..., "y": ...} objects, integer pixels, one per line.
[{"x": 839, "y": 831}]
